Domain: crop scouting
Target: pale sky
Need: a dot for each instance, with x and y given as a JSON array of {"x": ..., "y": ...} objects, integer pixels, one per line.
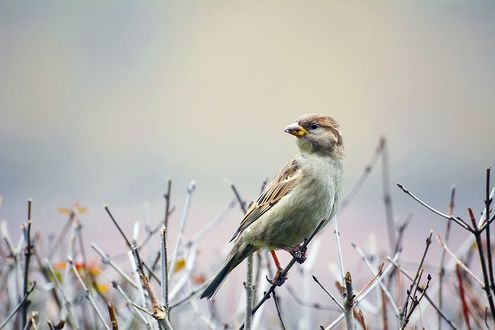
[{"x": 101, "y": 102}]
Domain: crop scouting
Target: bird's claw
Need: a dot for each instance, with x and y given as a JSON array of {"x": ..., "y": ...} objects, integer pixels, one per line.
[
  {"x": 299, "y": 253},
  {"x": 278, "y": 279}
]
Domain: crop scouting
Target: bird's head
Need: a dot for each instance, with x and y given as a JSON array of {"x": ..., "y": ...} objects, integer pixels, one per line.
[{"x": 317, "y": 133}]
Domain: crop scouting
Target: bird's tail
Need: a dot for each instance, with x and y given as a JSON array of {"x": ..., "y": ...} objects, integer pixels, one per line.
[{"x": 238, "y": 254}]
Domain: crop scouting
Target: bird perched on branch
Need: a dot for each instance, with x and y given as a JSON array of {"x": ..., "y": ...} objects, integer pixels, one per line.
[{"x": 306, "y": 191}]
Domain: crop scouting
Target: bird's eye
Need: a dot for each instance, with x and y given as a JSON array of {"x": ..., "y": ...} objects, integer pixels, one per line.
[{"x": 314, "y": 126}]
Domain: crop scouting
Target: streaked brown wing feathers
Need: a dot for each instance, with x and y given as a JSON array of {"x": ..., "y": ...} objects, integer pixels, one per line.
[{"x": 280, "y": 186}]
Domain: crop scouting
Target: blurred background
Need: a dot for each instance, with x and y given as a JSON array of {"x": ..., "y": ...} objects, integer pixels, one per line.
[{"x": 102, "y": 102}]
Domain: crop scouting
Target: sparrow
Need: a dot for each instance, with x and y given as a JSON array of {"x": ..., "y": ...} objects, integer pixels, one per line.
[{"x": 307, "y": 190}]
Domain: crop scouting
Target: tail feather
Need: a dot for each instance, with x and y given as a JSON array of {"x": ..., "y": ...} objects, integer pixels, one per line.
[{"x": 232, "y": 261}]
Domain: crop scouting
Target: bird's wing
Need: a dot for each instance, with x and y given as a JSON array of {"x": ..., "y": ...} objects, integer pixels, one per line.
[{"x": 279, "y": 187}]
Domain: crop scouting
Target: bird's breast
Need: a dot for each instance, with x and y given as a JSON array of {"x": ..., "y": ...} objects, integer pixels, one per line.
[{"x": 314, "y": 199}]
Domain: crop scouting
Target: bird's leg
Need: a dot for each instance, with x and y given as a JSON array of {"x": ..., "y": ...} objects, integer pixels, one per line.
[
  {"x": 278, "y": 279},
  {"x": 298, "y": 252}
]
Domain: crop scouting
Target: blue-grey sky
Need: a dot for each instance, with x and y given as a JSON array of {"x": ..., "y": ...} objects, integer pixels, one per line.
[{"x": 101, "y": 102}]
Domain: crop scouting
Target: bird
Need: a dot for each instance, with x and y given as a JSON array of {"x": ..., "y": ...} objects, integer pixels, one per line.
[{"x": 306, "y": 191}]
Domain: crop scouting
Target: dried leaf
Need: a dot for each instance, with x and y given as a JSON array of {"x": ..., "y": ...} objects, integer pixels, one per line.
[
  {"x": 180, "y": 265},
  {"x": 198, "y": 279}
]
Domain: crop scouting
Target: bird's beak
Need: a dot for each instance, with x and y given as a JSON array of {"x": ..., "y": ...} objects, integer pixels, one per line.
[{"x": 295, "y": 130}]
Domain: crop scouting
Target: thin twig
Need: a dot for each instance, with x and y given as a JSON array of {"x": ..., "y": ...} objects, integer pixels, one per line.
[
  {"x": 400, "y": 232},
  {"x": 113, "y": 317},
  {"x": 88, "y": 295},
  {"x": 21, "y": 303},
  {"x": 315, "y": 305},
  {"x": 339, "y": 249},
  {"x": 459, "y": 262},
  {"x": 213, "y": 223},
  {"x": 248, "y": 317},
  {"x": 428, "y": 298},
  {"x": 385, "y": 290},
  {"x": 249, "y": 293},
  {"x": 188, "y": 296},
  {"x": 279, "y": 311},
  {"x": 27, "y": 253},
  {"x": 479, "y": 247},
  {"x": 457, "y": 220},
  {"x": 182, "y": 226},
  {"x": 130, "y": 303},
  {"x": 164, "y": 267},
  {"x": 365, "y": 293},
  {"x": 349, "y": 301},
  {"x": 488, "y": 201},
  {"x": 387, "y": 197},
  {"x": 159, "y": 314},
  {"x": 167, "y": 202},
  {"x": 67, "y": 302},
  {"x": 465, "y": 309},
  {"x": 284, "y": 272},
  {"x": 329, "y": 294},
  {"x": 61, "y": 236},
  {"x": 406, "y": 312},
  {"x": 441, "y": 274},
  {"x": 105, "y": 259},
  {"x": 359, "y": 182},
  {"x": 150, "y": 232},
  {"x": 127, "y": 242}
]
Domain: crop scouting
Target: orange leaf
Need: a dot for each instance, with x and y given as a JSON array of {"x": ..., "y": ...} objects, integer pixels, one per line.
[
  {"x": 64, "y": 211},
  {"x": 198, "y": 279}
]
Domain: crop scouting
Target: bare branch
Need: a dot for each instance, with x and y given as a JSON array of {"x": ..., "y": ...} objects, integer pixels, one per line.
[
  {"x": 457, "y": 220},
  {"x": 21, "y": 303},
  {"x": 459, "y": 261},
  {"x": 329, "y": 294}
]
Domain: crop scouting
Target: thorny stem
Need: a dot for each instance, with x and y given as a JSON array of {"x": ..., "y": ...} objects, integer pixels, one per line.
[
  {"x": 27, "y": 253},
  {"x": 479, "y": 246}
]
